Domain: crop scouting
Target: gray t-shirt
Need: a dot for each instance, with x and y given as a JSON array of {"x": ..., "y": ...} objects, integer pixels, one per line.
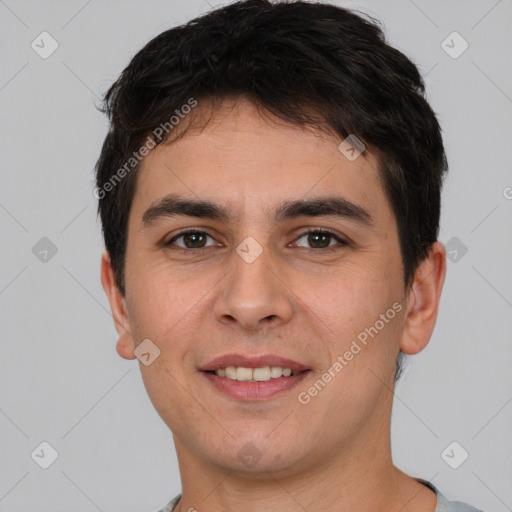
[{"x": 443, "y": 505}]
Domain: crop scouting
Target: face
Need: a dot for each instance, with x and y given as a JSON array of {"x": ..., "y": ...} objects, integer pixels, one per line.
[{"x": 243, "y": 282}]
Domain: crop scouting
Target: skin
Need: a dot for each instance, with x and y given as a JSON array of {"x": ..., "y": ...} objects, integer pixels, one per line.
[{"x": 334, "y": 452}]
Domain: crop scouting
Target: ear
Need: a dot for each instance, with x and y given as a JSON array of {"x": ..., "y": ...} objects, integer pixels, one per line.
[
  {"x": 125, "y": 344},
  {"x": 423, "y": 301}
]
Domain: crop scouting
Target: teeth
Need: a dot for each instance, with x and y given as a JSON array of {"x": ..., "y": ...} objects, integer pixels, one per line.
[
  {"x": 276, "y": 371},
  {"x": 261, "y": 373},
  {"x": 254, "y": 374},
  {"x": 243, "y": 373},
  {"x": 230, "y": 372}
]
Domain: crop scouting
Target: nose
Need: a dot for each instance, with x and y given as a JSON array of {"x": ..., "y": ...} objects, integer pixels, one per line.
[{"x": 254, "y": 295}]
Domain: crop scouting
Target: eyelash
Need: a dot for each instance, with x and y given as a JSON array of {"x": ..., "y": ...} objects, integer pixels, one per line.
[{"x": 314, "y": 231}]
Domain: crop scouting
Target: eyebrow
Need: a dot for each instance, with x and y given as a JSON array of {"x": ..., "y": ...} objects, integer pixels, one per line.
[{"x": 330, "y": 206}]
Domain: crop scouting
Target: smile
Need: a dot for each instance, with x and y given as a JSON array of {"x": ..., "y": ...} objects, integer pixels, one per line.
[{"x": 262, "y": 374}]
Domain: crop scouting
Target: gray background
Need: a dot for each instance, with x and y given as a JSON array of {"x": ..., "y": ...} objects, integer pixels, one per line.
[{"x": 61, "y": 380}]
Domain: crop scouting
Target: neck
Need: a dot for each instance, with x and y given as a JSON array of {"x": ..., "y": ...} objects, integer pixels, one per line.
[{"x": 358, "y": 477}]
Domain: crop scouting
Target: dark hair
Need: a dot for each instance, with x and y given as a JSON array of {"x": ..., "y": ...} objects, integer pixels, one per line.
[{"x": 307, "y": 63}]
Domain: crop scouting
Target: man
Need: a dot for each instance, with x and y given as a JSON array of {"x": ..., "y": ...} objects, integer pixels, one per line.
[{"x": 270, "y": 197}]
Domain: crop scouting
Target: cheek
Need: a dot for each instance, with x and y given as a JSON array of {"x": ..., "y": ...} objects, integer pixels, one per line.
[
  {"x": 165, "y": 393},
  {"x": 358, "y": 318},
  {"x": 158, "y": 297},
  {"x": 347, "y": 300}
]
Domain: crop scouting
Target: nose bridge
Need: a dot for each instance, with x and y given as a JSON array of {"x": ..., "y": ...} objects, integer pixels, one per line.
[{"x": 252, "y": 293}]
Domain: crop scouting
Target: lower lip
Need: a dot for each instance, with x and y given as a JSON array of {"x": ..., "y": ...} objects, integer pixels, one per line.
[{"x": 246, "y": 390}]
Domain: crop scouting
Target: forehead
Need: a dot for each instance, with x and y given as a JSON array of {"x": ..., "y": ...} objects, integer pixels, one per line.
[{"x": 242, "y": 156}]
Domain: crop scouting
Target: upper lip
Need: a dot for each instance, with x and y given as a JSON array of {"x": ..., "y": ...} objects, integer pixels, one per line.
[{"x": 246, "y": 361}]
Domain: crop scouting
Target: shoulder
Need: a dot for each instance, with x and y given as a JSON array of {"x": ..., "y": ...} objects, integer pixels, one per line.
[
  {"x": 170, "y": 506},
  {"x": 445, "y": 505}
]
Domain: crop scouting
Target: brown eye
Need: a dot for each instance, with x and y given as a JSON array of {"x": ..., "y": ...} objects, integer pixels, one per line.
[
  {"x": 320, "y": 239},
  {"x": 193, "y": 240},
  {"x": 190, "y": 240}
]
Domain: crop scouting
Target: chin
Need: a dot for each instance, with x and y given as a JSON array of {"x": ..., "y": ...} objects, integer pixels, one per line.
[{"x": 252, "y": 456}]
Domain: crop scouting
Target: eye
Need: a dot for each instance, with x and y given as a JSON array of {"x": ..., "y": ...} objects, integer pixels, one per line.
[
  {"x": 320, "y": 239},
  {"x": 316, "y": 239},
  {"x": 191, "y": 239}
]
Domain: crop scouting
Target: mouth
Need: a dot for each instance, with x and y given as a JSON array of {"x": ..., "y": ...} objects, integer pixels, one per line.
[
  {"x": 262, "y": 374},
  {"x": 253, "y": 378}
]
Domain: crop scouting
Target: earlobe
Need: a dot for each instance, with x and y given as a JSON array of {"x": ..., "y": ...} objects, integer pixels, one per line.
[
  {"x": 423, "y": 301},
  {"x": 125, "y": 344}
]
